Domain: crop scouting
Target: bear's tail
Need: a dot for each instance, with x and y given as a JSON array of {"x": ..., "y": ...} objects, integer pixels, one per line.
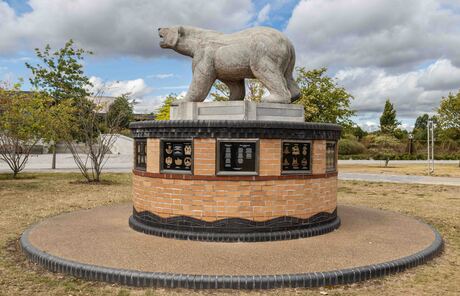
[{"x": 291, "y": 83}]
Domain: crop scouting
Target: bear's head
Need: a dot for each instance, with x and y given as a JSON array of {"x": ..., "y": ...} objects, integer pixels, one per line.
[{"x": 169, "y": 36}]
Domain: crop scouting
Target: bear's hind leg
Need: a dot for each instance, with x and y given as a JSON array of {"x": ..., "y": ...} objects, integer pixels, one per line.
[
  {"x": 275, "y": 82},
  {"x": 237, "y": 89},
  {"x": 293, "y": 88}
]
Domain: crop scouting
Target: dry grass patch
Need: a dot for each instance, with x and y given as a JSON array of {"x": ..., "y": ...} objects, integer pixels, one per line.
[
  {"x": 418, "y": 169},
  {"x": 37, "y": 196}
]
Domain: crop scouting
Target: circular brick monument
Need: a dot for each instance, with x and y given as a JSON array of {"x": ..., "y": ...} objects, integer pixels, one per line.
[
  {"x": 235, "y": 180},
  {"x": 235, "y": 171}
]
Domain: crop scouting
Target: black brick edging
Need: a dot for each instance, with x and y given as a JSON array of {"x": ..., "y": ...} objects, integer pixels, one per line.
[
  {"x": 187, "y": 281},
  {"x": 309, "y": 231},
  {"x": 234, "y": 129}
]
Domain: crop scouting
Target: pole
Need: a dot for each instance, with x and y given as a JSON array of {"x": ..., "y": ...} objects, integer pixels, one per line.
[
  {"x": 430, "y": 142},
  {"x": 432, "y": 146},
  {"x": 428, "y": 146}
]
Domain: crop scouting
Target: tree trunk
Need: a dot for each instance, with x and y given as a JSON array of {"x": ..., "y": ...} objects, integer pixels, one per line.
[{"x": 53, "y": 163}]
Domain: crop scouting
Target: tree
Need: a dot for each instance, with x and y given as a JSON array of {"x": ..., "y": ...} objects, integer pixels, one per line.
[
  {"x": 384, "y": 147},
  {"x": 388, "y": 122},
  {"x": 163, "y": 112},
  {"x": 449, "y": 112},
  {"x": 449, "y": 118},
  {"x": 254, "y": 91},
  {"x": 61, "y": 77},
  {"x": 420, "y": 125},
  {"x": 25, "y": 118},
  {"x": 121, "y": 109},
  {"x": 354, "y": 130},
  {"x": 421, "y": 122},
  {"x": 98, "y": 132},
  {"x": 322, "y": 98}
]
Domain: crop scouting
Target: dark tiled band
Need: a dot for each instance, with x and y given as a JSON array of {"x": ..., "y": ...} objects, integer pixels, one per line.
[
  {"x": 234, "y": 229},
  {"x": 188, "y": 281},
  {"x": 232, "y": 178},
  {"x": 235, "y": 129}
]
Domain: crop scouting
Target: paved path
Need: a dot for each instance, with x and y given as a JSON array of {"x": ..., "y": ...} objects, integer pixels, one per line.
[
  {"x": 123, "y": 163},
  {"x": 380, "y": 162},
  {"x": 117, "y": 163},
  {"x": 400, "y": 179},
  {"x": 366, "y": 236}
]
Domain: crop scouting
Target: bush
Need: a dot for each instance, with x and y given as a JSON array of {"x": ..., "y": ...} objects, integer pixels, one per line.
[{"x": 350, "y": 146}]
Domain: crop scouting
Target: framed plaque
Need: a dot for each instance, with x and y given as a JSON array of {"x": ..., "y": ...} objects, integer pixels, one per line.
[
  {"x": 331, "y": 159},
  {"x": 140, "y": 154},
  {"x": 237, "y": 157},
  {"x": 296, "y": 157},
  {"x": 176, "y": 156}
]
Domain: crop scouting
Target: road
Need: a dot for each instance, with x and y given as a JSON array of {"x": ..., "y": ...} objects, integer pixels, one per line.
[
  {"x": 123, "y": 163},
  {"x": 64, "y": 163}
]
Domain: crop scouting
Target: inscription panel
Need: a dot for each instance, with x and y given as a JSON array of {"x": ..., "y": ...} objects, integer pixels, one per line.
[
  {"x": 140, "y": 154},
  {"x": 331, "y": 156},
  {"x": 296, "y": 157},
  {"x": 237, "y": 157},
  {"x": 176, "y": 156}
]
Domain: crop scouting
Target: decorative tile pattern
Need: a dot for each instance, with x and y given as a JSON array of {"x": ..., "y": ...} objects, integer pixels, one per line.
[{"x": 234, "y": 229}]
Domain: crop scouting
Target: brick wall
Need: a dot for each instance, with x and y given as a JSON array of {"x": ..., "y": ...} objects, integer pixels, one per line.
[
  {"x": 153, "y": 155},
  {"x": 254, "y": 200},
  {"x": 211, "y": 198},
  {"x": 204, "y": 157},
  {"x": 319, "y": 157},
  {"x": 269, "y": 157}
]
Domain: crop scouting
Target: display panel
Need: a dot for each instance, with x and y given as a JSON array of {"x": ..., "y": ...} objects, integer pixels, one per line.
[
  {"x": 176, "y": 155},
  {"x": 331, "y": 163},
  {"x": 140, "y": 155},
  {"x": 237, "y": 157},
  {"x": 296, "y": 157}
]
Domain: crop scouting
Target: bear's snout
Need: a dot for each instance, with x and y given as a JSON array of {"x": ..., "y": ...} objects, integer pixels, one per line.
[{"x": 162, "y": 35}]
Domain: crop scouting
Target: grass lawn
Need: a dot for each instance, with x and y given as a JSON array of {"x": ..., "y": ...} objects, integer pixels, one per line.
[
  {"x": 37, "y": 196},
  {"x": 441, "y": 170}
]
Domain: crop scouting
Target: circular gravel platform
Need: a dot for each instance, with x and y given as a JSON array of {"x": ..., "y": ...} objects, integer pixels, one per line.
[{"x": 98, "y": 244}]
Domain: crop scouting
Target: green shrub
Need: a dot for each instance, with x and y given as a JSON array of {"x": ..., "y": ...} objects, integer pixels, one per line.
[{"x": 350, "y": 146}]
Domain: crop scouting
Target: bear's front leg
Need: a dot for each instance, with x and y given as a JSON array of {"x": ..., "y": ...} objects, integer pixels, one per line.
[{"x": 202, "y": 81}]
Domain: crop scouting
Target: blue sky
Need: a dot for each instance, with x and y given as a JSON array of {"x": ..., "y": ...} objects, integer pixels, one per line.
[{"x": 403, "y": 50}]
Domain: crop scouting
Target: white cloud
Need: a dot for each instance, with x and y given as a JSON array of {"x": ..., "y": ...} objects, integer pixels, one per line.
[
  {"x": 110, "y": 27},
  {"x": 393, "y": 34},
  {"x": 16, "y": 60},
  {"x": 263, "y": 14},
  {"x": 441, "y": 75},
  {"x": 174, "y": 87},
  {"x": 413, "y": 92},
  {"x": 136, "y": 88},
  {"x": 161, "y": 76}
]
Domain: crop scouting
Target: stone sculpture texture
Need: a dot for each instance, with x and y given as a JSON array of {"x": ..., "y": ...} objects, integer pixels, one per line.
[{"x": 262, "y": 53}]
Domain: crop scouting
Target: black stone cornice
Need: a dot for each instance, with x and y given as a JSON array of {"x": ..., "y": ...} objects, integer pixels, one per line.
[{"x": 235, "y": 129}]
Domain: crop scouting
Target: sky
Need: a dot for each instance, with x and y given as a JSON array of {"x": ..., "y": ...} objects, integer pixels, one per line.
[{"x": 403, "y": 50}]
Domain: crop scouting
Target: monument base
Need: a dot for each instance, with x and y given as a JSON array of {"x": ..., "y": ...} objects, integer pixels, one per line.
[
  {"x": 371, "y": 243},
  {"x": 235, "y": 181},
  {"x": 237, "y": 110}
]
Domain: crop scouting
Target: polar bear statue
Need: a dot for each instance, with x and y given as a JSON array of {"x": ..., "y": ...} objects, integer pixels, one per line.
[{"x": 262, "y": 53}]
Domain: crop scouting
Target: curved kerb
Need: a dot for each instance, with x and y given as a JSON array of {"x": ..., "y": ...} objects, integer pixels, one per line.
[{"x": 189, "y": 281}]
